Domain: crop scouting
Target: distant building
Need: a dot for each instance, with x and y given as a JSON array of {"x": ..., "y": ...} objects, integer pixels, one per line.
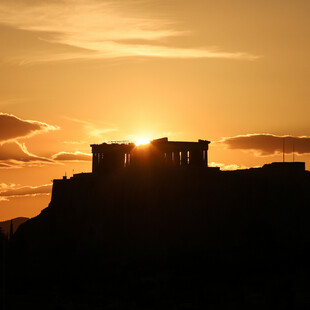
[
  {"x": 285, "y": 168},
  {"x": 158, "y": 153},
  {"x": 275, "y": 169}
]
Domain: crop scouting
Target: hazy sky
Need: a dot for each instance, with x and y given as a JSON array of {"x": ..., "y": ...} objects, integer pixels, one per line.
[{"x": 77, "y": 72}]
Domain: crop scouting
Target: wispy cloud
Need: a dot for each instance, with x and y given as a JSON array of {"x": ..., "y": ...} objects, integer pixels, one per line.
[
  {"x": 16, "y": 155},
  {"x": 5, "y": 186},
  {"x": 93, "y": 129},
  {"x": 75, "y": 142},
  {"x": 223, "y": 166},
  {"x": 263, "y": 144},
  {"x": 12, "y": 191},
  {"x": 101, "y": 29},
  {"x": 72, "y": 156}
]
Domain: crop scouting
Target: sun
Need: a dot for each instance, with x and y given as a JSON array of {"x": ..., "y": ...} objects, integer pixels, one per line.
[{"x": 142, "y": 141}]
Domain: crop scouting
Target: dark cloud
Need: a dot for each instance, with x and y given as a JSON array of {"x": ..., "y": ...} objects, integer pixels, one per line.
[
  {"x": 268, "y": 144},
  {"x": 26, "y": 191},
  {"x": 12, "y": 127},
  {"x": 76, "y": 156}
]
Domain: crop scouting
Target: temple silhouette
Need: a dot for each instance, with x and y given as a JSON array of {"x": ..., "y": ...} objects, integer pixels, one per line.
[{"x": 158, "y": 153}]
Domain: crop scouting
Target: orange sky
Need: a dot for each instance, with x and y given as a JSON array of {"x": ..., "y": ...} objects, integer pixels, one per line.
[{"x": 78, "y": 72}]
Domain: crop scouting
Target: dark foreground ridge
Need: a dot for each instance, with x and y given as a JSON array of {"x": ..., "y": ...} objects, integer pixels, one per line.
[
  {"x": 7, "y": 226},
  {"x": 183, "y": 237}
]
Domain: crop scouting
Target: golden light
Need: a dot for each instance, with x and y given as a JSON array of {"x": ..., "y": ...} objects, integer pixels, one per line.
[{"x": 142, "y": 141}]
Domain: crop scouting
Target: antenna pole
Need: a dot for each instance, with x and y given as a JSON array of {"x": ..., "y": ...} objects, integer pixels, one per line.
[{"x": 293, "y": 152}]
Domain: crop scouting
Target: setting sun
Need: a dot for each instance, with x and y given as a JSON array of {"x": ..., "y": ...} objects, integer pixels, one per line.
[{"x": 142, "y": 141}]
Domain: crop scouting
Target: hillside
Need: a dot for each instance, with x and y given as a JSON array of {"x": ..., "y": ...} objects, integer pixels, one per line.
[
  {"x": 5, "y": 225},
  {"x": 182, "y": 232}
]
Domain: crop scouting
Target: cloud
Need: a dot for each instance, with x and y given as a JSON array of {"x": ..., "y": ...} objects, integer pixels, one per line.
[
  {"x": 268, "y": 144},
  {"x": 6, "y": 165},
  {"x": 94, "y": 130},
  {"x": 4, "y": 186},
  {"x": 99, "y": 132},
  {"x": 101, "y": 29},
  {"x": 227, "y": 166},
  {"x": 16, "y": 155},
  {"x": 18, "y": 152},
  {"x": 15, "y": 191},
  {"x": 12, "y": 128},
  {"x": 69, "y": 156},
  {"x": 75, "y": 142}
]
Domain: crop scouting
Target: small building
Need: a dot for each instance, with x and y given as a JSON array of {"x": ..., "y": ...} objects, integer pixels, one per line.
[{"x": 158, "y": 153}]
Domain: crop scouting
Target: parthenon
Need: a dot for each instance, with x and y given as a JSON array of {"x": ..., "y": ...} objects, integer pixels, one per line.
[{"x": 158, "y": 153}]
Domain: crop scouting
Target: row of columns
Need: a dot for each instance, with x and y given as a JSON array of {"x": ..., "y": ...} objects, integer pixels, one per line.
[
  {"x": 195, "y": 157},
  {"x": 110, "y": 160},
  {"x": 189, "y": 157}
]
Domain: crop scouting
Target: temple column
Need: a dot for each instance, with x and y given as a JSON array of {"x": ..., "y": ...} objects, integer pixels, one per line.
[
  {"x": 125, "y": 160},
  {"x": 183, "y": 158},
  {"x": 176, "y": 159},
  {"x": 197, "y": 158},
  {"x": 128, "y": 159},
  {"x": 169, "y": 158},
  {"x": 95, "y": 162},
  {"x": 205, "y": 158}
]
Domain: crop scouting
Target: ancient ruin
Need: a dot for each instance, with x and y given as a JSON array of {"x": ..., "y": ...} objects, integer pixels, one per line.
[{"x": 158, "y": 153}]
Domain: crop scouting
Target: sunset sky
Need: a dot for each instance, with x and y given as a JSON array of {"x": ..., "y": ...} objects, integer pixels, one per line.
[{"x": 75, "y": 72}]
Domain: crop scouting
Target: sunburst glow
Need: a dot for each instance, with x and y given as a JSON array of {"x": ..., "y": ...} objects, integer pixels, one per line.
[{"x": 142, "y": 141}]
